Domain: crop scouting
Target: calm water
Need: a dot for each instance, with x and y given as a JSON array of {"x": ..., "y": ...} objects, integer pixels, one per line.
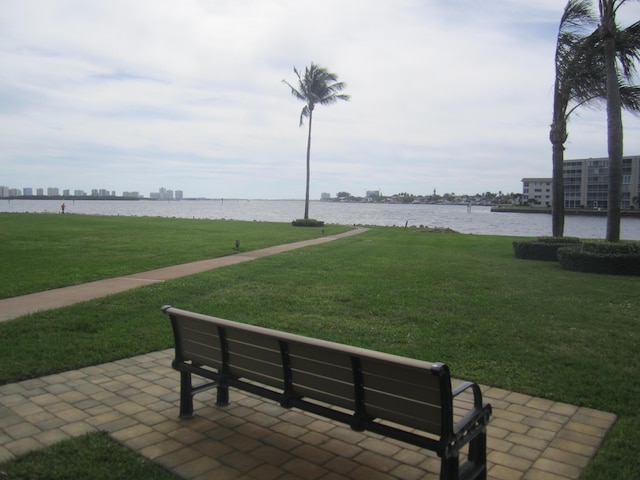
[{"x": 479, "y": 221}]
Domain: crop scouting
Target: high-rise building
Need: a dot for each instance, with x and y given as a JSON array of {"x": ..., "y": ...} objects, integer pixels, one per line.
[{"x": 586, "y": 184}]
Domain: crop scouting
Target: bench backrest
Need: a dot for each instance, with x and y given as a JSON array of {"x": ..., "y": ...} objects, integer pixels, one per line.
[{"x": 409, "y": 392}]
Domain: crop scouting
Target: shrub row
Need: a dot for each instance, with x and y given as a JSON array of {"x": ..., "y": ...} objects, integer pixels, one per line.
[
  {"x": 542, "y": 248},
  {"x": 307, "y": 222},
  {"x": 602, "y": 257},
  {"x": 613, "y": 258}
]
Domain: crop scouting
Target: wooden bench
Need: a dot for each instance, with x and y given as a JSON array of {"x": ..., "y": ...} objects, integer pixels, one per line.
[{"x": 401, "y": 398}]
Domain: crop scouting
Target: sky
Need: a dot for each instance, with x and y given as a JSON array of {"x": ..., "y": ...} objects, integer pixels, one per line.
[{"x": 187, "y": 95}]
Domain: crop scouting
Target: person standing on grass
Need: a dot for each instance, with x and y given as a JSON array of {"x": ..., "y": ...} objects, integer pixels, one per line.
[{"x": 62, "y": 207}]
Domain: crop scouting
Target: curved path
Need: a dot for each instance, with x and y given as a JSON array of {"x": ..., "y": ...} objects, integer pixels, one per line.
[{"x": 62, "y": 297}]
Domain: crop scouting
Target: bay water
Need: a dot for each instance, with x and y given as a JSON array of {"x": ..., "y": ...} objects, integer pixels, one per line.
[{"x": 476, "y": 220}]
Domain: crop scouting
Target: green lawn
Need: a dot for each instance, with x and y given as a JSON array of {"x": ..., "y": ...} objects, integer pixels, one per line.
[
  {"x": 465, "y": 300},
  {"x": 44, "y": 251}
]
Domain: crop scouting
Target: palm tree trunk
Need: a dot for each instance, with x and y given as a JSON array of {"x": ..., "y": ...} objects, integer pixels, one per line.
[
  {"x": 558, "y": 136},
  {"x": 557, "y": 188},
  {"x": 306, "y": 197},
  {"x": 614, "y": 131}
]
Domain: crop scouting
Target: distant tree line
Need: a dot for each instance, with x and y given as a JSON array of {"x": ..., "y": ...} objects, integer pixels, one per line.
[{"x": 485, "y": 198}]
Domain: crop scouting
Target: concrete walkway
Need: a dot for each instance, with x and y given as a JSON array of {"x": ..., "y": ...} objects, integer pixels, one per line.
[{"x": 136, "y": 401}]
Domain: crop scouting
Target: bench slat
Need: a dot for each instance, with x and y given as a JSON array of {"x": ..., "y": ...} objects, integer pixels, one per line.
[
  {"x": 322, "y": 374},
  {"x": 201, "y": 353},
  {"x": 260, "y": 377},
  {"x": 411, "y": 383},
  {"x": 255, "y": 357},
  {"x": 199, "y": 341},
  {"x": 340, "y": 370},
  {"x": 407, "y": 373},
  {"x": 201, "y": 326},
  {"x": 246, "y": 367},
  {"x": 320, "y": 354},
  {"x": 240, "y": 336},
  {"x": 405, "y": 411},
  {"x": 419, "y": 392},
  {"x": 259, "y": 354},
  {"x": 189, "y": 333},
  {"x": 312, "y": 386}
]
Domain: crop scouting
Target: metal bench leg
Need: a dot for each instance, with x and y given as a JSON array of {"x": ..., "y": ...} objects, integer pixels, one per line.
[
  {"x": 450, "y": 467},
  {"x": 478, "y": 454},
  {"x": 222, "y": 399},
  {"x": 186, "y": 396}
]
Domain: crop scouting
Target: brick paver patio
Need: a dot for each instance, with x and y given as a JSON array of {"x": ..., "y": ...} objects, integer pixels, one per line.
[{"x": 136, "y": 401}]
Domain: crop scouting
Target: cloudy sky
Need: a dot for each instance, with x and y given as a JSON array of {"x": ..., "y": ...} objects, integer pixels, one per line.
[{"x": 454, "y": 95}]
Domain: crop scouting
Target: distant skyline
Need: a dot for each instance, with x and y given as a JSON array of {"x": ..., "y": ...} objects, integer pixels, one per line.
[
  {"x": 52, "y": 191},
  {"x": 454, "y": 95}
]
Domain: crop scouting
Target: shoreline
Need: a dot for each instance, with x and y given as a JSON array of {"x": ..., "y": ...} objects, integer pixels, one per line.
[{"x": 567, "y": 211}]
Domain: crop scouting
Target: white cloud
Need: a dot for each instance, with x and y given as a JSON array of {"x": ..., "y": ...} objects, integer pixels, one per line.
[{"x": 133, "y": 96}]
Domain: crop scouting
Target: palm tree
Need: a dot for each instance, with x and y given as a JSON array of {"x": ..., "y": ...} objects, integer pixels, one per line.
[
  {"x": 568, "y": 87},
  {"x": 316, "y": 87},
  {"x": 609, "y": 34},
  {"x": 581, "y": 79}
]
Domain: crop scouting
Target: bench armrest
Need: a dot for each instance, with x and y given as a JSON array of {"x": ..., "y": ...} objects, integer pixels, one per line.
[
  {"x": 477, "y": 393},
  {"x": 478, "y": 414}
]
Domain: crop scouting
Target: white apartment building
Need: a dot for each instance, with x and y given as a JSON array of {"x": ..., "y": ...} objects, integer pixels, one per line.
[
  {"x": 586, "y": 184},
  {"x": 537, "y": 191}
]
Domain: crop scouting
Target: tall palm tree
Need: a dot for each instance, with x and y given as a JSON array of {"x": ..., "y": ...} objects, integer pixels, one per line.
[
  {"x": 568, "y": 87},
  {"x": 316, "y": 86},
  {"x": 609, "y": 33},
  {"x": 581, "y": 79}
]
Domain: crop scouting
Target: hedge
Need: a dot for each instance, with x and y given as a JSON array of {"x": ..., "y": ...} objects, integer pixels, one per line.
[
  {"x": 307, "y": 222},
  {"x": 619, "y": 258},
  {"x": 542, "y": 248}
]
